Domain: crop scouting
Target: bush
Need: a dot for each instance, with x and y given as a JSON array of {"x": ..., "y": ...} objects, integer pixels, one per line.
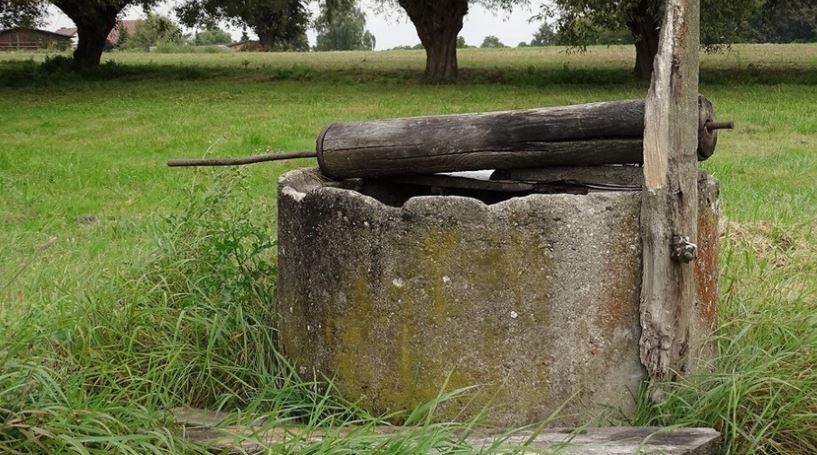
[
  {"x": 173, "y": 48},
  {"x": 210, "y": 49},
  {"x": 156, "y": 31},
  {"x": 212, "y": 36},
  {"x": 59, "y": 67},
  {"x": 251, "y": 46},
  {"x": 57, "y": 64},
  {"x": 170, "y": 47}
]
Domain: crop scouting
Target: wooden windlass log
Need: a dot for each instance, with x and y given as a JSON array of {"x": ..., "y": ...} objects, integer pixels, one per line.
[{"x": 581, "y": 135}]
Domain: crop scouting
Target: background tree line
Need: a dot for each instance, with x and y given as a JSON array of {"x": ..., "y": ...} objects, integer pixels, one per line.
[
  {"x": 580, "y": 23},
  {"x": 160, "y": 31},
  {"x": 282, "y": 24}
]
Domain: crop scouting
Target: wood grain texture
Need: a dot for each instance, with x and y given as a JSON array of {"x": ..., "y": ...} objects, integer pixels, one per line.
[
  {"x": 589, "y": 134},
  {"x": 583, "y": 135},
  {"x": 707, "y": 138},
  {"x": 611, "y": 177},
  {"x": 669, "y": 203}
]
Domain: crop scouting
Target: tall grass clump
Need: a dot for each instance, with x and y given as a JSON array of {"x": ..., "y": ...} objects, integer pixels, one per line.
[
  {"x": 762, "y": 394},
  {"x": 189, "y": 323}
]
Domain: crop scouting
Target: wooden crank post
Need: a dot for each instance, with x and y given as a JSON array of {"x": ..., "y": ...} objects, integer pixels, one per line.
[{"x": 669, "y": 210}]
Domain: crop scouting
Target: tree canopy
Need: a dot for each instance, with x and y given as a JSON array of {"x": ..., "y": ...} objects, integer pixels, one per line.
[
  {"x": 580, "y": 22},
  {"x": 783, "y": 21},
  {"x": 154, "y": 30},
  {"x": 492, "y": 41},
  {"x": 544, "y": 36},
  {"x": 212, "y": 36},
  {"x": 342, "y": 29},
  {"x": 21, "y": 13},
  {"x": 279, "y": 24}
]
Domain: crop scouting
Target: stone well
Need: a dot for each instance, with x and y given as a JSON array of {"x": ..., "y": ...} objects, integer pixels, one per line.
[{"x": 398, "y": 294}]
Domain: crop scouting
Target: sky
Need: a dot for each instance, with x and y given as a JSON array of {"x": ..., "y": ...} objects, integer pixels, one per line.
[{"x": 391, "y": 28}]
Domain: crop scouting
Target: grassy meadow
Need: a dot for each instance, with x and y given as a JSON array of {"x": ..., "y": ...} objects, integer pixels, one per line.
[{"x": 127, "y": 288}]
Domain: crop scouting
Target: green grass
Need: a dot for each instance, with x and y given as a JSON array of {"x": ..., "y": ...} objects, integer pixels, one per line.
[{"x": 119, "y": 301}]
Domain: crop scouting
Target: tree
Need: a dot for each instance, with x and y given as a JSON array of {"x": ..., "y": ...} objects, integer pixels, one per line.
[
  {"x": 579, "y": 22},
  {"x": 342, "y": 29},
  {"x": 784, "y": 21},
  {"x": 212, "y": 36},
  {"x": 279, "y": 24},
  {"x": 155, "y": 29},
  {"x": 461, "y": 44},
  {"x": 94, "y": 20},
  {"x": 491, "y": 41},
  {"x": 544, "y": 36},
  {"x": 369, "y": 41},
  {"x": 21, "y": 13},
  {"x": 438, "y": 23}
]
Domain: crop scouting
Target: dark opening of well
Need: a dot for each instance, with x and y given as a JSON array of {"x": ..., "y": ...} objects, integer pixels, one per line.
[{"x": 396, "y": 192}]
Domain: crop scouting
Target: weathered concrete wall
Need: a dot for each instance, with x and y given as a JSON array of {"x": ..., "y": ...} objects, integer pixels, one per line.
[{"x": 534, "y": 298}]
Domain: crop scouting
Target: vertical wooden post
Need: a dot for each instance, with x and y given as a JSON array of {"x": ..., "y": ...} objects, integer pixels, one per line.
[{"x": 669, "y": 205}]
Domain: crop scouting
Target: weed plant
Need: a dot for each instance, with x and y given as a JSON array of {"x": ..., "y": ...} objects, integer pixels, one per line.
[{"x": 191, "y": 326}]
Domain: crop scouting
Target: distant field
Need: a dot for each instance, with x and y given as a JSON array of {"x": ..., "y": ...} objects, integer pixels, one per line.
[
  {"x": 738, "y": 57},
  {"x": 83, "y": 187}
]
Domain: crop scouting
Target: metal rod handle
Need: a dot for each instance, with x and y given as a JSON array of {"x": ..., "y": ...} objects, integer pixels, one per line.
[
  {"x": 729, "y": 125},
  {"x": 242, "y": 160}
]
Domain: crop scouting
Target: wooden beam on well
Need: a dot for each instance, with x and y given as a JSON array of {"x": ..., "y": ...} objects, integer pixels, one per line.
[
  {"x": 669, "y": 204},
  {"x": 582, "y": 135}
]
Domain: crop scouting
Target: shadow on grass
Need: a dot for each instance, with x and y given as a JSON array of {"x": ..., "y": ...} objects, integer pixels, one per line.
[{"x": 60, "y": 71}]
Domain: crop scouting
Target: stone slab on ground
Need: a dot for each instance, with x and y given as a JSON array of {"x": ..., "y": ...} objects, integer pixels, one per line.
[
  {"x": 616, "y": 441},
  {"x": 204, "y": 427}
]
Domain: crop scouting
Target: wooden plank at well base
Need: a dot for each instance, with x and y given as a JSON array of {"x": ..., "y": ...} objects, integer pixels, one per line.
[
  {"x": 602, "y": 177},
  {"x": 203, "y": 428}
]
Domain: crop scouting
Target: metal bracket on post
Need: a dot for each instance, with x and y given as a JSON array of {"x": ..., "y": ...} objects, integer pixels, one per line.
[{"x": 682, "y": 249}]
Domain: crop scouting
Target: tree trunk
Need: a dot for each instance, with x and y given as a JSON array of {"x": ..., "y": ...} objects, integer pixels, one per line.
[
  {"x": 438, "y": 23},
  {"x": 645, "y": 30},
  {"x": 91, "y": 43},
  {"x": 265, "y": 38},
  {"x": 94, "y": 22},
  {"x": 441, "y": 57}
]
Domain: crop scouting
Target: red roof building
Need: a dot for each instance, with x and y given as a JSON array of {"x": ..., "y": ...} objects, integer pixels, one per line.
[{"x": 130, "y": 25}]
